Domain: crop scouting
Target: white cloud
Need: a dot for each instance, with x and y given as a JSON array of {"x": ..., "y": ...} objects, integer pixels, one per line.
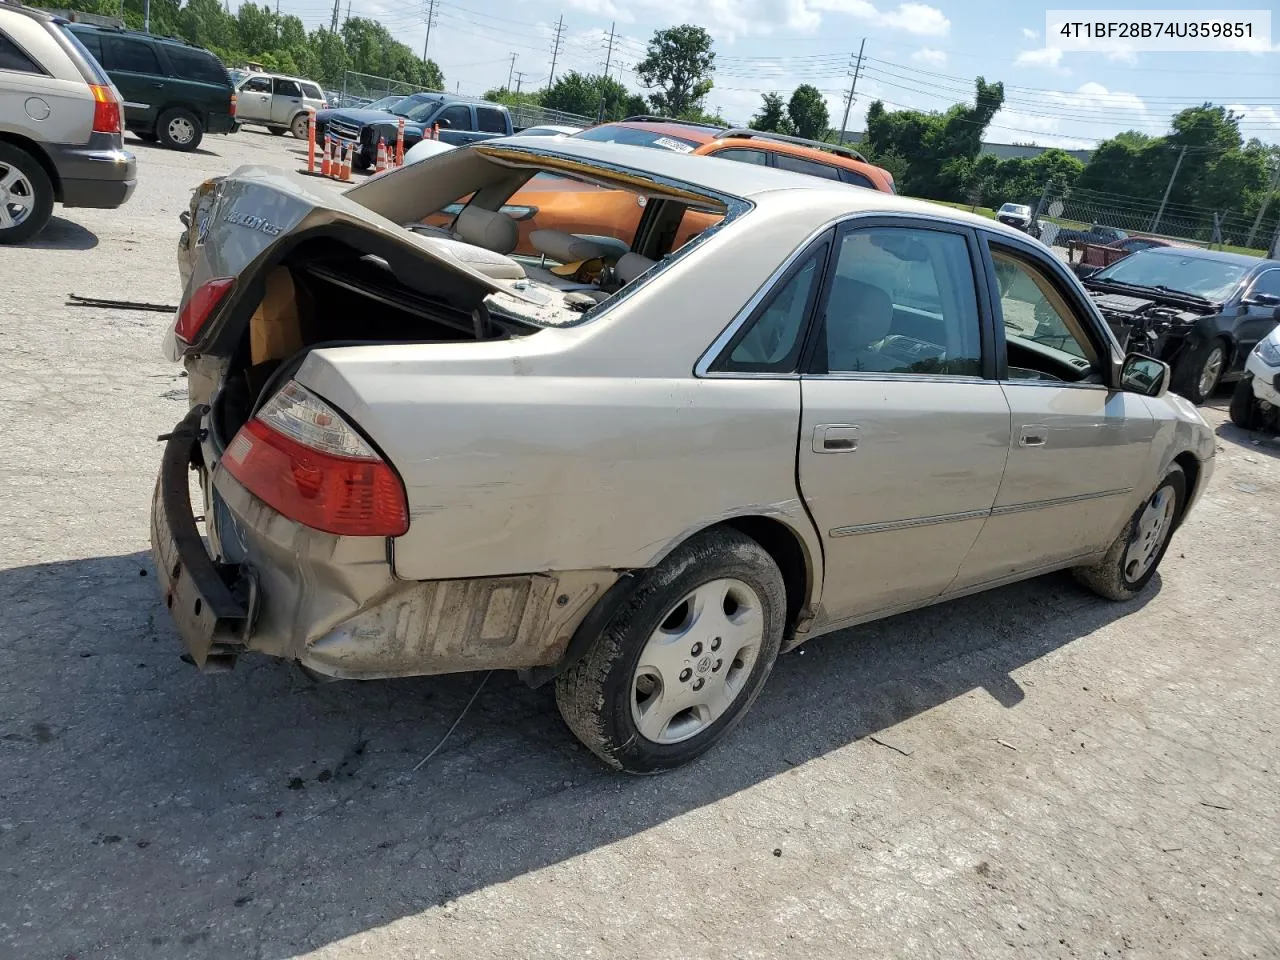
[
  {"x": 1123, "y": 55},
  {"x": 911, "y": 17},
  {"x": 1255, "y": 114},
  {"x": 928, "y": 55},
  {"x": 1029, "y": 34},
  {"x": 1097, "y": 98},
  {"x": 1043, "y": 57}
]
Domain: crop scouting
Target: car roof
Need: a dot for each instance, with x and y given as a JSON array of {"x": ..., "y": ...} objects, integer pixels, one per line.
[
  {"x": 668, "y": 128},
  {"x": 1222, "y": 256},
  {"x": 747, "y": 181}
]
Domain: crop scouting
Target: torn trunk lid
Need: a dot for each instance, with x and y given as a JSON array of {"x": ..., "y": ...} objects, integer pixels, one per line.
[{"x": 246, "y": 222}]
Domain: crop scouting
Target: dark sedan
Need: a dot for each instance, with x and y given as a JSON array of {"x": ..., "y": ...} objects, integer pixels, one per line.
[{"x": 1200, "y": 311}]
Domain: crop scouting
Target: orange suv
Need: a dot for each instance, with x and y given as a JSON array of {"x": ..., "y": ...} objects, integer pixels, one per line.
[{"x": 549, "y": 202}]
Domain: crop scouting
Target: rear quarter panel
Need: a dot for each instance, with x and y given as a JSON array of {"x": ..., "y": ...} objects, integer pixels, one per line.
[{"x": 64, "y": 90}]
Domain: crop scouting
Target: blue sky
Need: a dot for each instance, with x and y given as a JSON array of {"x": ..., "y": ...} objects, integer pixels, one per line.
[{"x": 918, "y": 54}]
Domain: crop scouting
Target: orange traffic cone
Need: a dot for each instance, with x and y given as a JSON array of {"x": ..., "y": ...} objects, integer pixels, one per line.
[
  {"x": 400, "y": 144},
  {"x": 326, "y": 160},
  {"x": 345, "y": 173},
  {"x": 381, "y": 166}
]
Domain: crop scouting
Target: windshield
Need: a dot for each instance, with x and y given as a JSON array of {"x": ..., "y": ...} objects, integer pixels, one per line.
[
  {"x": 1197, "y": 276},
  {"x": 1015, "y": 208},
  {"x": 386, "y": 103},
  {"x": 611, "y": 133},
  {"x": 416, "y": 108}
]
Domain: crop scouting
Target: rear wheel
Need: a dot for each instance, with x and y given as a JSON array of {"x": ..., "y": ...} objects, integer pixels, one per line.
[
  {"x": 26, "y": 195},
  {"x": 1197, "y": 374},
  {"x": 1244, "y": 406},
  {"x": 1132, "y": 559},
  {"x": 300, "y": 127},
  {"x": 179, "y": 129},
  {"x": 678, "y": 666}
]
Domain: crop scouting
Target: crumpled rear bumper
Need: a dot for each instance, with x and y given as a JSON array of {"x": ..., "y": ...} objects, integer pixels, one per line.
[{"x": 333, "y": 604}]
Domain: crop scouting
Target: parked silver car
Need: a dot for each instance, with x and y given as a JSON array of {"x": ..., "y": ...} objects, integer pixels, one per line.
[
  {"x": 61, "y": 138},
  {"x": 277, "y": 103},
  {"x": 641, "y": 474}
]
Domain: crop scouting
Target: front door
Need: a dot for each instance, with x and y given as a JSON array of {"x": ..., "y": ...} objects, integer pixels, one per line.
[
  {"x": 286, "y": 101},
  {"x": 1077, "y": 447},
  {"x": 135, "y": 70},
  {"x": 904, "y": 431},
  {"x": 253, "y": 100},
  {"x": 1259, "y": 319}
]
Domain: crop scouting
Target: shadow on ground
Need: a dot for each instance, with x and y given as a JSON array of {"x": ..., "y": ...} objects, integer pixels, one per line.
[
  {"x": 62, "y": 234},
  {"x": 283, "y": 814},
  {"x": 138, "y": 142}
]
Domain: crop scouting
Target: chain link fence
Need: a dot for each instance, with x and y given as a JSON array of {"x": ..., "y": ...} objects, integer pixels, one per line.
[
  {"x": 359, "y": 89},
  {"x": 1085, "y": 215}
]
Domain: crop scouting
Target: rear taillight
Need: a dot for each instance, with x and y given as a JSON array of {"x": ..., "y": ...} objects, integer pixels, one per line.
[
  {"x": 301, "y": 458},
  {"x": 200, "y": 306},
  {"x": 233, "y": 104},
  {"x": 106, "y": 109}
]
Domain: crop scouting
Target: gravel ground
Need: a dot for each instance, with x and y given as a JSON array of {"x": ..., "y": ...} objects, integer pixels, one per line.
[{"x": 1030, "y": 773}]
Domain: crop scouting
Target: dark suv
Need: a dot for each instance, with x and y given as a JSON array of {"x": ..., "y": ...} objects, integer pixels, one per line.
[{"x": 173, "y": 93}]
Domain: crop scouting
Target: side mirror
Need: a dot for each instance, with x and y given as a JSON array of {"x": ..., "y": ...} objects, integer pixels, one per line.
[
  {"x": 444, "y": 124},
  {"x": 1262, "y": 300},
  {"x": 1144, "y": 375}
]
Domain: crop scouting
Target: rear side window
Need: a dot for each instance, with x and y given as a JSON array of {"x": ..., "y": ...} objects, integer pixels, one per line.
[
  {"x": 12, "y": 58},
  {"x": 287, "y": 88},
  {"x": 797, "y": 165},
  {"x": 312, "y": 92},
  {"x": 758, "y": 157},
  {"x": 857, "y": 179},
  {"x": 90, "y": 50},
  {"x": 130, "y": 56},
  {"x": 196, "y": 65},
  {"x": 489, "y": 120}
]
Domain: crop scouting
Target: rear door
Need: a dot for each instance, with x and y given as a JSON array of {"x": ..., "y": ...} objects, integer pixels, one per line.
[
  {"x": 904, "y": 431},
  {"x": 1077, "y": 448},
  {"x": 286, "y": 101},
  {"x": 254, "y": 100},
  {"x": 136, "y": 71}
]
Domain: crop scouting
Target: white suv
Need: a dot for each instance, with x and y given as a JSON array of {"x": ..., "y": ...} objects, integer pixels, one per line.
[
  {"x": 278, "y": 103},
  {"x": 60, "y": 125}
]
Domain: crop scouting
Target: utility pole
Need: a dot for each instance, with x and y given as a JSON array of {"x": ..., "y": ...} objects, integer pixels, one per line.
[
  {"x": 848, "y": 102},
  {"x": 512, "y": 71},
  {"x": 348, "y": 11},
  {"x": 277, "y": 19},
  {"x": 146, "y": 17},
  {"x": 1155, "y": 224},
  {"x": 333, "y": 21},
  {"x": 555, "y": 51},
  {"x": 608, "y": 56},
  {"x": 519, "y": 81},
  {"x": 1262, "y": 209},
  {"x": 431, "y": 19}
]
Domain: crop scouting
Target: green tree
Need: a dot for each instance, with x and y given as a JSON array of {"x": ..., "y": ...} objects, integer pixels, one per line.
[
  {"x": 772, "y": 116},
  {"x": 582, "y": 94},
  {"x": 679, "y": 63},
  {"x": 807, "y": 110}
]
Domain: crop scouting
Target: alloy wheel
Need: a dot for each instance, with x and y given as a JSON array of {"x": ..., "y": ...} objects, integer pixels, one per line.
[
  {"x": 1211, "y": 370},
  {"x": 17, "y": 197},
  {"x": 181, "y": 130},
  {"x": 1154, "y": 527}
]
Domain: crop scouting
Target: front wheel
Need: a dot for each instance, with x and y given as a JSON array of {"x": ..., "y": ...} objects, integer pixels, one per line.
[
  {"x": 179, "y": 129},
  {"x": 1197, "y": 374},
  {"x": 676, "y": 668},
  {"x": 1244, "y": 406},
  {"x": 1132, "y": 559}
]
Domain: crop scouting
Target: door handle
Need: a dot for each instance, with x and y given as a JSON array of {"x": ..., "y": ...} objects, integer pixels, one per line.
[
  {"x": 835, "y": 438},
  {"x": 158, "y": 86},
  {"x": 1033, "y": 435}
]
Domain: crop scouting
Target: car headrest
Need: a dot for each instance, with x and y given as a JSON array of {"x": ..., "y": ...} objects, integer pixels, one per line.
[
  {"x": 484, "y": 228},
  {"x": 631, "y": 266},
  {"x": 858, "y": 314},
  {"x": 565, "y": 247}
]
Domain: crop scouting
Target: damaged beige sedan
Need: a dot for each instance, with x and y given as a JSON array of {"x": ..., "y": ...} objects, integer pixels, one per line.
[{"x": 635, "y": 472}]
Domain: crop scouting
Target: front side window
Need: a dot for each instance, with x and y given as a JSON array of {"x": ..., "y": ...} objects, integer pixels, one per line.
[
  {"x": 129, "y": 56},
  {"x": 799, "y": 165},
  {"x": 771, "y": 341},
  {"x": 903, "y": 301},
  {"x": 287, "y": 88},
  {"x": 1268, "y": 283},
  {"x": 758, "y": 157},
  {"x": 1041, "y": 331},
  {"x": 257, "y": 85},
  {"x": 456, "y": 117},
  {"x": 489, "y": 120}
]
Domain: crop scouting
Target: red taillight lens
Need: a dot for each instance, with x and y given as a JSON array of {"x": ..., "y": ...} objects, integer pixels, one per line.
[
  {"x": 106, "y": 109},
  {"x": 303, "y": 460},
  {"x": 199, "y": 306},
  {"x": 233, "y": 104}
]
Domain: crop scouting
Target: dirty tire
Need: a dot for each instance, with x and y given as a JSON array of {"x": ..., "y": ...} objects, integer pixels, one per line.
[
  {"x": 1189, "y": 372},
  {"x": 301, "y": 124},
  {"x": 1244, "y": 407},
  {"x": 179, "y": 129},
  {"x": 26, "y": 195},
  {"x": 277, "y": 131},
  {"x": 595, "y": 696},
  {"x": 1107, "y": 577}
]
